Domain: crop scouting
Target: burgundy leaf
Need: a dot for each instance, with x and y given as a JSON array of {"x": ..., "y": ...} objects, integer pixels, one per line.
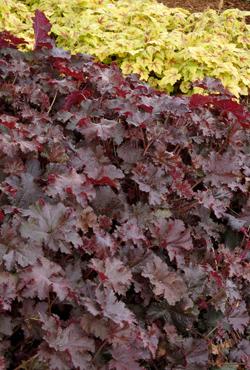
[
  {"x": 238, "y": 317},
  {"x": 106, "y": 129},
  {"x": 94, "y": 326},
  {"x": 52, "y": 225},
  {"x": 14, "y": 250},
  {"x": 174, "y": 237},
  {"x": 131, "y": 231},
  {"x": 241, "y": 353},
  {"x": 212, "y": 85},
  {"x": 7, "y": 290},
  {"x": 165, "y": 282},
  {"x": 112, "y": 272},
  {"x": 42, "y": 28},
  {"x": 196, "y": 353},
  {"x": 75, "y": 97},
  {"x": 56, "y": 360},
  {"x": 44, "y": 277},
  {"x": 7, "y": 40},
  {"x": 114, "y": 309},
  {"x": 71, "y": 184},
  {"x": 124, "y": 359},
  {"x": 64, "y": 69},
  {"x": 71, "y": 340},
  {"x": 151, "y": 180}
]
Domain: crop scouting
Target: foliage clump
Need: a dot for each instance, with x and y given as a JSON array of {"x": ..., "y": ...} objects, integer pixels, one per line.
[
  {"x": 124, "y": 213},
  {"x": 169, "y": 48}
]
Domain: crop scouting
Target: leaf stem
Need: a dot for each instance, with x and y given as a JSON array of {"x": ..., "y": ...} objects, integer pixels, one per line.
[
  {"x": 24, "y": 364},
  {"x": 99, "y": 350},
  {"x": 53, "y": 101}
]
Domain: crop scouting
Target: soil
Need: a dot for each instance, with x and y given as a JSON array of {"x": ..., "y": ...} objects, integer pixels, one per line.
[{"x": 200, "y": 5}]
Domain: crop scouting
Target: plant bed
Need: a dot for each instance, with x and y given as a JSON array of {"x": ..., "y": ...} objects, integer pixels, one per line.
[
  {"x": 168, "y": 48},
  {"x": 124, "y": 218}
]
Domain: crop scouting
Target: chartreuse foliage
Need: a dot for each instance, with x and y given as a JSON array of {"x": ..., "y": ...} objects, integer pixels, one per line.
[{"x": 166, "y": 47}]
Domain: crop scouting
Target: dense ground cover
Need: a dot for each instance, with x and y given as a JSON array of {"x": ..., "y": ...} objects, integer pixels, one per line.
[
  {"x": 124, "y": 213},
  {"x": 177, "y": 48}
]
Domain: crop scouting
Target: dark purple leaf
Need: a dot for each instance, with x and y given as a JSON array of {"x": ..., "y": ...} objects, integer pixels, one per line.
[
  {"x": 7, "y": 40},
  {"x": 124, "y": 217},
  {"x": 42, "y": 28}
]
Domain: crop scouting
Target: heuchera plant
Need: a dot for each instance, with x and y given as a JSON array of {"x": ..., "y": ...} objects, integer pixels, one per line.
[
  {"x": 124, "y": 216},
  {"x": 169, "y": 48}
]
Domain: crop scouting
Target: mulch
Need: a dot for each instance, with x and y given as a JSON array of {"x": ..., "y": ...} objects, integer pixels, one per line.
[{"x": 200, "y": 5}]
